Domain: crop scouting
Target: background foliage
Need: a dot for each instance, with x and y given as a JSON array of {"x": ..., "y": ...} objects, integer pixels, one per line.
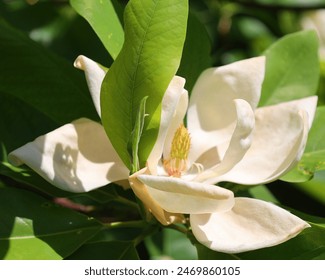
[{"x": 40, "y": 90}]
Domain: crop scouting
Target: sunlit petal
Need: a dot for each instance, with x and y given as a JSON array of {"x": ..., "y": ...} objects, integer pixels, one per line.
[
  {"x": 180, "y": 196},
  {"x": 95, "y": 74},
  {"x": 278, "y": 143},
  {"x": 239, "y": 144},
  {"x": 174, "y": 106},
  {"x": 141, "y": 191},
  {"x": 76, "y": 157},
  {"x": 212, "y": 114},
  {"x": 251, "y": 224}
]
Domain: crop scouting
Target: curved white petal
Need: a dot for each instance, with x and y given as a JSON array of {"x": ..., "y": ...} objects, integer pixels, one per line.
[
  {"x": 251, "y": 224},
  {"x": 174, "y": 106},
  {"x": 278, "y": 142},
  {"x": 95, "y": 73},
  {"x": 239, "y": 144},
  {"x": 211, "y": 115},
  {"x": 141, "y": 191},
  {"x": 76, "y": 157},
  {"x": 180, "y": 196}
]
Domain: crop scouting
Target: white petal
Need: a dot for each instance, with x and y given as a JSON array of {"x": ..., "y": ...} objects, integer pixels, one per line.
[
  {"x": 95, "y": 74},
  {"x": 211, "y": 115},
  {"x": 174, "y": 106},
  {"x": 251, "y": 224},
  {"x": 278, "y": 142},
  {"x": 76, "y": 157},
  {"x": 180, "y": 196},
  {"x": 239, "y": 144},
  {"x": 141, "y": 191}
]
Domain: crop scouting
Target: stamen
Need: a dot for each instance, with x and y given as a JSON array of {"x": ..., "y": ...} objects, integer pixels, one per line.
[{"x": 177, "y": 162}]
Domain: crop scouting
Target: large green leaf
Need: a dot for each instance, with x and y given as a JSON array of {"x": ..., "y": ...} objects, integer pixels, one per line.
[
  {"x": 154, "y": 37},
  {"x": 35, "y": 228},
  {"x": 196, "y": 54},
  {"x": 39, "y": 91},
  {"x": 103, "y": 18},
  {"x": 292, "y": 68},
  {"x": 313, "y": 158}
]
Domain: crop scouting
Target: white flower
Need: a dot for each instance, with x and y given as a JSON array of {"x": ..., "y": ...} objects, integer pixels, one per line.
[{"x": 227, "y": 139}]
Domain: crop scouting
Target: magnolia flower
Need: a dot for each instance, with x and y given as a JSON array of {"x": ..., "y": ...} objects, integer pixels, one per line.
[{"x": 227, "y": 139}]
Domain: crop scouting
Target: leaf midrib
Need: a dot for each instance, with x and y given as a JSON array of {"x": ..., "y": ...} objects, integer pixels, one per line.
[{"x": 140, "y": 51}]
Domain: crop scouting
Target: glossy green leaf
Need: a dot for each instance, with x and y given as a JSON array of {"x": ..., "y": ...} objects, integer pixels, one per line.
[
  {"x": 103, "y": 18},
  {"x": 308, "y": 245},
  {"x": 313, "y": 158},
  {"x": 292, "y": 68},
  {"x": 35, "y": 228},
  {"x": 154, "y": 37},
  {"x": 196, "y": 53},
  {"x": 38, "y": 90}
]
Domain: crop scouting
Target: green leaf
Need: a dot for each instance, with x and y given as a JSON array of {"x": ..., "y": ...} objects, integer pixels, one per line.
[
  {"x": 113, "y": 250},
  {"x": 196, "y": 54},
  {"x": 154, "y": 37},
  {"x": 35, "y": 228},
  {"x": 313, "y": 158},
  {"x": 170, "y": 244},
  {"x": 315, "y": 187},
  {"x": 292, "y": 68},
  {"x": 39, "y": 91},
  {"x": 103, "y": 18},
  {"x": 28, "y": 177}
]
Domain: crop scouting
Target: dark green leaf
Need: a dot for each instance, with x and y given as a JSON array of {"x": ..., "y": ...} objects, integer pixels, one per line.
[
  {"x": 154, "y": 37},
  {"x": 196, "y": 54},
  {"x": 113, "y": 250},
  {"x": 35, "y": 228},
  {"x": 38, "y": 90},
  {"x": 27, "y": 177}
]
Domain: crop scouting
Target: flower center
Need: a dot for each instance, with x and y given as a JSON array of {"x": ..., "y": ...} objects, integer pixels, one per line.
[{"x": 177, "y": 162}]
